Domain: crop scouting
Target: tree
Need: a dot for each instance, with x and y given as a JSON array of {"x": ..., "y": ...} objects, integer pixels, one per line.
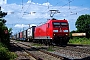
[
  {"x": 83, "y": 24},
  {"x": 4, "y": 35}
]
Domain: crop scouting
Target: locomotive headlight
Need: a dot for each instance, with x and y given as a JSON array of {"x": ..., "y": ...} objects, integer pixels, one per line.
[
  {"x": 50, "y": 38},
  {"x": 65, "y": 30},
  {"x": 66, "y": 34},
  {"x": 55, "y": 30},
  {"x": 54, "y": 34}
]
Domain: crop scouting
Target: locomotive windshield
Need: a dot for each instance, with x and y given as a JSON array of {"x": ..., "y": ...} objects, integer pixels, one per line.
[
  {"x": 63, "y": 23},
  {"x": 58, "y": 24}
]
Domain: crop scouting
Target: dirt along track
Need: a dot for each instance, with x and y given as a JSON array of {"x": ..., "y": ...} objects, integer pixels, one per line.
[
  {"x": 22, "y": 55},
  {"x": 76, "y": 52},
  {"x": 34, "y": 53}
]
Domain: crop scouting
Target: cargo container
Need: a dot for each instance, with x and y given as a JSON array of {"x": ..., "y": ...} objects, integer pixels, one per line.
[
  {"x": 30, "y": 33},
  {"x": 24, "y": 35}
]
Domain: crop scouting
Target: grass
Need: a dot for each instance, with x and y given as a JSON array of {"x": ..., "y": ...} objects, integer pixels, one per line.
[
  {"x": 84, "y": 41},
  {"x": 50, "y": 48},
  {"x": 17, "y": 40},
  {"x": 37, "y": 45},
  {"x": 5, "y": 54}
]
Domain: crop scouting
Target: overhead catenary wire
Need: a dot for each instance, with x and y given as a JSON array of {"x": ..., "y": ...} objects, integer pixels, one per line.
[
  {"x": 48, "y": 7},
  {"x": 62, "y": 6},
  {"x": 48, "y": 4},
  {"x": 22, "y": 4},
  {"x": 28, "y": 6},
  {"x": 69, "y": 1},
  {"x": 45, "y": 11},
  {"x": 69, "y": 4},
  {"x": 35, "y": 12}
]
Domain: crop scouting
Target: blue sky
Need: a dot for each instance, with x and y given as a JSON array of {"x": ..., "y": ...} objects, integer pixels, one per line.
[
  {"x": 84, "y": 3},
  {"x": 20, "y": 16}
]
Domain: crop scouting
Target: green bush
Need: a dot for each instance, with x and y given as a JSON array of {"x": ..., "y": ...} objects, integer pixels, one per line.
[
  {"x": 12, "y": 55},
  {"x": 78, "y": 40},
  {"x": 5, "y": 54}
]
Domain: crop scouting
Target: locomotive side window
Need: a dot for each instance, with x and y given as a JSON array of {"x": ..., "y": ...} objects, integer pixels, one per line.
[{"x": 48, "y": 25}]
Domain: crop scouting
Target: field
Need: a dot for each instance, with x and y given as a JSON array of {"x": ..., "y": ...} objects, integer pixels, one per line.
[{"x": 77, "y": 40}]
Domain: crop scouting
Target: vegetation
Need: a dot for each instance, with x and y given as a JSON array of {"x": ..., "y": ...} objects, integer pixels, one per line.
[
  {"x": 50, "y": 48},
  {"x": 37, "y": 45},
  {"x": 5, "y": 54},
  {"x": 78, "y": 40},
  {"x": 4, "y": 34},
  {"x": 83, "y": 24}
]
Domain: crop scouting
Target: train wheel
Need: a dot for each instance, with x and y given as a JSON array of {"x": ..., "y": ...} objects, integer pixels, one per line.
[
  {"x": 49, "y": 42},
  {"x": 52, "y": 42},
  {"x": 46, "y": 42},
  {"x": 40, "y": 41}
]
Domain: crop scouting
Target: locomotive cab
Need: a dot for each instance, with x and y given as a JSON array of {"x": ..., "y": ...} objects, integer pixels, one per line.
[
  {"x": 60, "y": 32},
  {"x": 60, "y": 28}
]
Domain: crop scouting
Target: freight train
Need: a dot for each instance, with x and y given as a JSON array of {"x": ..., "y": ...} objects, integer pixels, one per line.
[{"x": 52, "y": 32}]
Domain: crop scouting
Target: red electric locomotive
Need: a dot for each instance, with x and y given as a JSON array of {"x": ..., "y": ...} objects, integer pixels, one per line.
[{"x": 53, "y": 31}]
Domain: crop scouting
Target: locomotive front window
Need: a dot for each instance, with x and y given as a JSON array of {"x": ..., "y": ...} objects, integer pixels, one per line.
[
  {"x": 58, "y": 24},
  {"x": 63, "y": 23}
]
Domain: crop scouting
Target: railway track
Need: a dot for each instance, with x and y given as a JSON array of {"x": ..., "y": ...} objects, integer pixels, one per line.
[
  {"x": 21, "y": 53},
  {"x": 70, "y": 52},
  {"x": 74, "y": 52},
  {"x": 38, "y": 54}
]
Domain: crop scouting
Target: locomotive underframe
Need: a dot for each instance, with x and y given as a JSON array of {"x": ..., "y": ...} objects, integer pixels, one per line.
[
  {"x": 61, "y": 40},
  {"x": 57, "y": 40}
]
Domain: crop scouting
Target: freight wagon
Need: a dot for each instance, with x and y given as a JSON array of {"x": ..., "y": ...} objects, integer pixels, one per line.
[
  {"x": 30, "y": 33},
  {"x": 24, "y": 35}
]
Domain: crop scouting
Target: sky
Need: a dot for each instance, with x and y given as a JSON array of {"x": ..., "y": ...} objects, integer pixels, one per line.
[{"x": 25, "y": 13}]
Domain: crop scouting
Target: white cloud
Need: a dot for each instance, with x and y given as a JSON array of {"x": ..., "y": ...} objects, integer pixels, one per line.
[
  {"x": 21, "y": 25},
  {"x": 29, "y": 1},
  {"x": 3, "y": 2},
  {"x": 47, "y": 4}
]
